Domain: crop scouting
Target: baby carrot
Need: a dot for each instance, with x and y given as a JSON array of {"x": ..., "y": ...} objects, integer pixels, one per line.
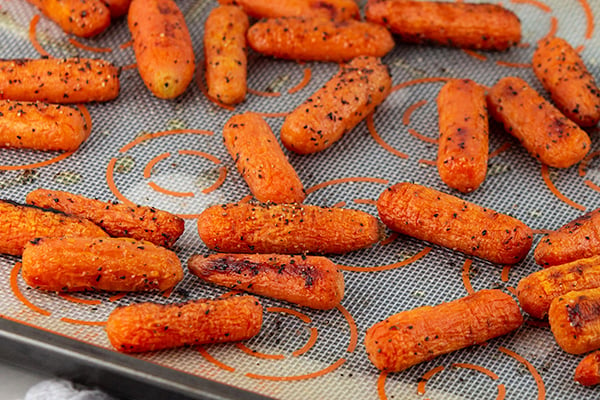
[
  {"x": 225, "y": 54},
  {"x": 563, "y": 74},
  {"x": 148, "y": 326},
  {"x": 118, "y": 8},
  {"x": 537, "y": 290},
  {"x": 458, "y": 24},
  {"x": 541, "y": 128},
  {"x": 162, "y": 46},
  {"x": 445, "y": 220},
  {"x": 575, "y": 320},
  {"x": 83, "y": 18},
  {"x": 75, "y": 264},
  {"x": 308, "y": 281},
  {"x": 587, "y": 372},
  {"x": 577, "y": 239},
  {"x": 421, "y": 334},
  {"x": 286, "y": 228},
  {"x": 22, "y": 223},
  {"x": 261, "y": 161},
  {"x": 463, "y": 145},
  {"x": 71, "y": 80},
  {"x": 336, "y": 108},
  {"x": 41, "y": 126},
  {"x": 319, "y": 39},
  {"x": 120, "y": 220},
  {"x": 334, "y": 9}
]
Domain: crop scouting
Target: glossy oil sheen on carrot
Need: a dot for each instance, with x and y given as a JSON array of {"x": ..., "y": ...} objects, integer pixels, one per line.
[
  {"x": 334, "y": 9},
  {"x": 83, "y": 18}
]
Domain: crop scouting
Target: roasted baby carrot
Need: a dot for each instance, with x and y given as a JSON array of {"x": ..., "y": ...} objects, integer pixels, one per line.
[
  {"x": 319, "y": 39},
  {"x": 458, "y": 24},
  {"x": 83, "y": 18},
  {"x": 225, "y": 54},
  {"x": 261, "y": 161},
  {"x": 162, "y": 46},
  {"x": 41, "y": 126},
  {"x": 336, "y": 108},
  {"x": 147, "y": 326},
  {"x": 120, "y": 220},
  {"x": 541, "y": 128},
  {"x": 308, "y": 281},
  {"x": 463, "y": 144},
  {"x": 22, "y": 223},
  {"x": 577, "y": 239},
  {"x": 118, "y": 8},
  {"x": 334, "y": 9},
  {"x": 575, "y": 320},
  {"x": 564, "y": 75},
  {"x": 421, "y": 334},
  {"x": 72, "y": 80},
  {"x": 445, "y": 220},
  {"x": 75, "y": 264},
  {"x": 286, "y": 229},
  {"x": 537, "y": 290},
  {"x": 587, "y": 372}
]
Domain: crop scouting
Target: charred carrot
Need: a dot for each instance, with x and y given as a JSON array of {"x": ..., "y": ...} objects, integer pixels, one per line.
[
  {"x": 148, "y": 326},
  {"x": 575, "y": 320},
  {"x": 162, "y": 46},
  {"x": 75, "y": 264},
  {"x": 445, "y": 220},
  {"x": 261, "y": 161},
  {"x": 537, "y": 290},
  {"x": 308, "y": 281},
  {"x": 421, "y": 334},
  {"x": 541, "y": 128},
  {"x": 225, "y": 54},
  {"x": 319, "y": 39},
  {"x": 577, "y": 239},
  {"x": 41, "y": 126},
  {"x": 22, "y": 223},
  {"x": 118, "y": 8},
  {"x": 120, "y": 220},
  {"x": 334, "y": 9},
  {"x": 463, "y": 144},
  {"x": 72, "y": 80},
  {"x": 587, "y": 372},
  {"x": 465, "y": 25},
  {"x": 286, "y": 229},
  {"x": 83, "y": 18},
  {"x": 336, "y": 108},
  {"x": 564, "y": 75}
]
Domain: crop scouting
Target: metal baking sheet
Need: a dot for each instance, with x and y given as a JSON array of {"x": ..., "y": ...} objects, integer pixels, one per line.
[{"x": 169, "y": 154}]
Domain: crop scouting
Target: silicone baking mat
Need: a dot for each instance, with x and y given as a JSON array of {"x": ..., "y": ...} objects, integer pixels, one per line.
[{"x": 169, "y": 154}]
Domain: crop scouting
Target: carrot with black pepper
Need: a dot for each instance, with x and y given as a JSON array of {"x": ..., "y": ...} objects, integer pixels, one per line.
[
  {"x": 587, "y": 372},
  {"x": 463, "y": 144},
  {"x": 308, "y": 281},
  {"x": 579, "y": 238},
  {"x": 421, "y": 334},
  {"x": 541, "y": 128},
  {"x": 22, "y": 223},
  {"x": 120, "y": 220},
  {"x": 334, "y": 9},
  {"x": 83, "y": 18},
  {"x": 225, "y": 54},
  {"x": 575, "y": 320},
  {"x": 261, "y": 161},
  {"x": 564, "y": 75},
  {"x": 336, "y": 108},
  {"x": 162, "y": 46},
  {"x": 319, "y": 39},
  {"x": 286, "y": 229},
  {"x": 446, "y": 220},
  {"x": 53, "y": 80},
  {"x": 75, "y": 264},
  {"x": 118, "y": 8},
  {"x": 148, "y": 327},
  {"x": 41, "y": 126},
  {"x": 537, "y": 290},
  {"x": 457, "y": 24}
]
